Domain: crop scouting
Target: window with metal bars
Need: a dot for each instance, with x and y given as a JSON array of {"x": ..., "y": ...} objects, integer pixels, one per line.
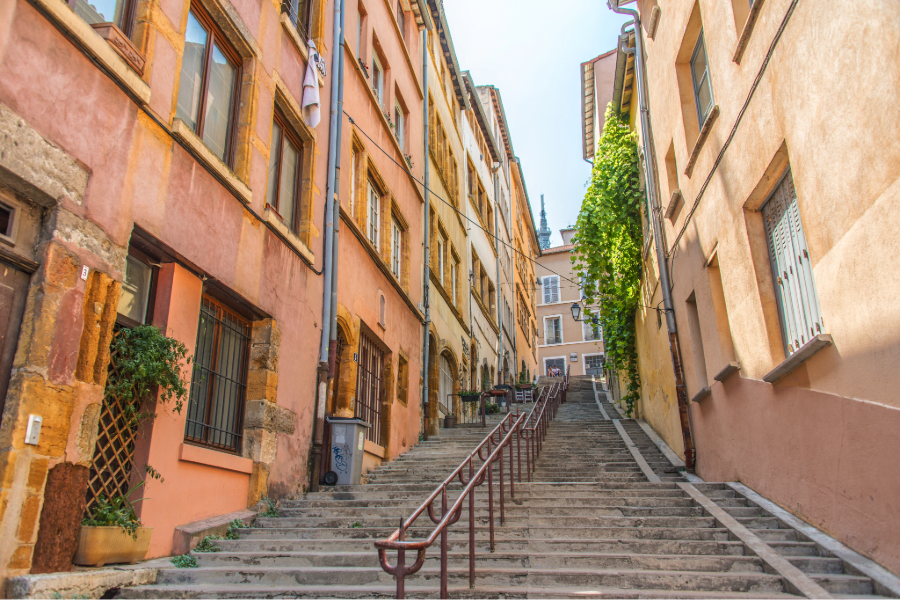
[
  {"x": 369, "y": 386},
  {"x": 219, "y": 383},
  {"x": 798, "y": 303}
]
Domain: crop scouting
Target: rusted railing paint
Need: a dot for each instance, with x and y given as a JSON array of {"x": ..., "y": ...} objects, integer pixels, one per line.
[{"x": 532, "y": 428}]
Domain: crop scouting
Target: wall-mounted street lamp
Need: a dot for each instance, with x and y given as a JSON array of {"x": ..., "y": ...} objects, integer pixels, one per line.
[{"x": 576, "y": 314}]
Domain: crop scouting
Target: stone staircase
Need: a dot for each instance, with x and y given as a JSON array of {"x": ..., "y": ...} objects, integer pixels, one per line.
[{"x": 593, "y": 522}]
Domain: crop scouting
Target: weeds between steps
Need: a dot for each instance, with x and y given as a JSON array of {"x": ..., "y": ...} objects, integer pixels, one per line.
[{"x": 185, "y": 561}]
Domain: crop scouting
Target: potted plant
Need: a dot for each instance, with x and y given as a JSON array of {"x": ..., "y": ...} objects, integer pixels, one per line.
[
  {"x": 449, "y": 421},
  {"x": 469, "y": 395},
  {"x": 523, "y": 383},
  {"x": 112, "y": 533}
]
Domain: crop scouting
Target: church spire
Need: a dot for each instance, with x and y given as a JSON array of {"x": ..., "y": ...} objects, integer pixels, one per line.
[{"x": 544, "y": 231}]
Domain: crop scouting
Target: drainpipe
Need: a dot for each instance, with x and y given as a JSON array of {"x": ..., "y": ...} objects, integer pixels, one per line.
[
  {"x": 332, "y": 346},
  {"x": 426, "y": 287},
  {"x": 499, "y": 284},
  {"x": 656, "y": 224},
  {"x": 330, "y": 258}
]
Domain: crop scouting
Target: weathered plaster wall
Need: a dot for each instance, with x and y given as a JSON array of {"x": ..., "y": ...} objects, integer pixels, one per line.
[
  {"x": 139, "y": 176},
  {"x": 822, "y": 441}
]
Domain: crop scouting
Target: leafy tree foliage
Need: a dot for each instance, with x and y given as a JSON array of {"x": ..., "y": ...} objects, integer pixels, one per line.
[{"x": 608, "y": 246}]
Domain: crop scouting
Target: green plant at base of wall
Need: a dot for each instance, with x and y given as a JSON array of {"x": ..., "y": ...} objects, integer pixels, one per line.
[
  {"x": 608, "y": 246},
  {"x": 185, "y": 561},
  {"x": 271, "y": 511},
  {"x": 206, "y": 544},
  {"x": 146, "y": 360}
]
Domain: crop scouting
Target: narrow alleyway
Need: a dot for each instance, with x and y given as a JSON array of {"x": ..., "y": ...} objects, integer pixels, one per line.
[{"x": 606, "y": 514}]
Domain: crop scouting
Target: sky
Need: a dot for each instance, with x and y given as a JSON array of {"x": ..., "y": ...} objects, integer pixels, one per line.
[{"x": 533, "y": 56}]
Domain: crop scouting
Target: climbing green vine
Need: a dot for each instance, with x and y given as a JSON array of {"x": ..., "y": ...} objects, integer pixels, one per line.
[{"x": 608, "y": 246}]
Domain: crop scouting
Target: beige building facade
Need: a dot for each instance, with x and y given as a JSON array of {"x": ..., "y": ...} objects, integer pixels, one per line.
[
  {"x": 562, "y": 341},
  {"x": 778, "y": 184}
]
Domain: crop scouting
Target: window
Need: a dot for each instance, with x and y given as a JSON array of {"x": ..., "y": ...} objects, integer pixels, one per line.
[
  {"x": 403, "y": 380},
  {"x": 551, "y": 288},
  {"x": 703, "y": 94},
  {"x": 299, "y": 13},
  {"x": 7, "y": 220},
  {"x": 593, "y": 365},
  {"x": 454, "y": 274},
  {"x": 382, "y": 310},
  {"x": 399, "y": 124},
  {"x": 210, "y": 75},
  {"x": 285, "y": 168},
  {"x": 552, "y": 330},
  {"x": 795, "y": 290},
  {"x": 374, "y": 214},
  {"x": 401, "y": 20},
  {"x": 591, "y": 331},
  {"x": 377, "y": 78},
  {"x": 359, "y": 30},
  {"x": 369, "y": 379},
  {"x": 134, "y": 299},
  {"x": 354, "y": 157},
  {"x": 445, "y": 385},
  {"x": 441, "y": 258},
  {"x": 396, "y": 247},
  {"x": 118, "y": 12},
  {"x": 218, "y": 386},
  {"x": 554, "y": 362}
]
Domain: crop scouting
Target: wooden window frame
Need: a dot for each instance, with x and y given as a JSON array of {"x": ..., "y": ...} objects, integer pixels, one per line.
[
  {"x": 373, "y": 224},
  {"x": 288, "y": 132},
  {"x": 396, "y": 247},
  {"x": 151, "y": 294},
  {"x": 215, "y": 35},
  {"x": 128, "y": 14}
]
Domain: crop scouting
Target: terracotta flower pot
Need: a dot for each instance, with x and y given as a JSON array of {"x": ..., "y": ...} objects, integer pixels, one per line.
[{"x": 98, "y": 546}]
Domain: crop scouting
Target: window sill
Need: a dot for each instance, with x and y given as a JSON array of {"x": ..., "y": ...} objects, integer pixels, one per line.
[
  {"x": 748, "y": 29},
  {"x": 214, "y": 458},
  {"x": 729, "y": 370},
  {"x": 202, "y": 153},
  {"x": 375, "y": 449},
  {"x": 287, "y": 235},
  {"x": 674, "y": 203},
  {"x": 704, "y": 133},
  {"x": 702, "y": 395},
  {"x": 799, "y": 357},
  {"x": 92, "y": 43},
  {"x": 299, "y": 44}
]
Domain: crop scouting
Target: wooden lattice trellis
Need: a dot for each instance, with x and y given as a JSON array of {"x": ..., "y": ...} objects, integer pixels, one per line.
[{"x": 114, "y": 453}]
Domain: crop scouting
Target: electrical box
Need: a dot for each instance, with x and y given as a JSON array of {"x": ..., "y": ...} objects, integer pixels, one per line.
[{"x": 33, "y": 431}]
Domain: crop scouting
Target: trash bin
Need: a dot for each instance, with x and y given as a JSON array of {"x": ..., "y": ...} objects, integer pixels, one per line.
[{"x": 348, "y": 442}]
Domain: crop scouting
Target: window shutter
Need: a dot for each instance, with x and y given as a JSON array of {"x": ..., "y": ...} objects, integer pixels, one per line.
[
  {"x": 554, "y": 288},
  {"x": 798, "y": 302}
]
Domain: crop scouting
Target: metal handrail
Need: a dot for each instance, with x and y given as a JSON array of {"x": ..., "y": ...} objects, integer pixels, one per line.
[{"x": 514, "y": 430}]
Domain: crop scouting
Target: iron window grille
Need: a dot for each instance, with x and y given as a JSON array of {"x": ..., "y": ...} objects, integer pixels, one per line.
[
  {"x": 219, "y": 383},
  {"x": 369, "y": 387},
  {"x": 703, "y": 93}
]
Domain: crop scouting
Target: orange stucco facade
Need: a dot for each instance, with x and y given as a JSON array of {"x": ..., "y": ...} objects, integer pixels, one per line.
[{"x": 810, "y": 423}]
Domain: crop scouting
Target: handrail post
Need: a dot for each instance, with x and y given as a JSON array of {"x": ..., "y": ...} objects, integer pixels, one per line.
[
  {"x": 490, "y": 472},
  {"x": 472, "y": 525},
  {"x": 401, "y": 566},
  {"x": 483, "y": 420},
  {"x": 444, "y": 545},
  {"x": 502, "y": 511},
  {"x": 519, "y": 449}
]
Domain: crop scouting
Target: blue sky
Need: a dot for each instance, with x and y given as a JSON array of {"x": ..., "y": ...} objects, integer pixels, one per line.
[{"x": 532, "y": 55}]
